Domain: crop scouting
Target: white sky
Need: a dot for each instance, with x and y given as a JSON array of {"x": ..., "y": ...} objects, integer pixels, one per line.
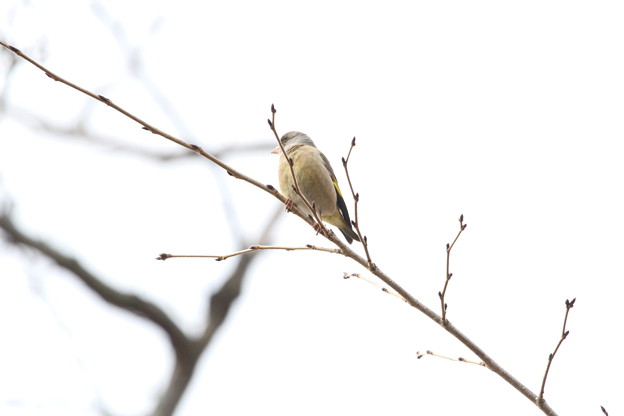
[{"x": 508, "y": 113}]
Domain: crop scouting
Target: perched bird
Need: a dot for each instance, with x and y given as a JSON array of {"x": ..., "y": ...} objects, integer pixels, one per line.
[{"x": 316, "y": 181}]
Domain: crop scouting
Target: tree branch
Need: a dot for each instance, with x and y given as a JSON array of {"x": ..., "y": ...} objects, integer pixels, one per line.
[
  {"x": 419, "y": 355},
  {"x": 356, "y": 200},
  {"x": 316, "y": 223},
  {"x": 217, "y": 311},
  {"x": 449, "y": 247},
  {"x": 251, "y": 249},
  {"x": 347, "y": 251},
  {"x": 564, "y": 334}
]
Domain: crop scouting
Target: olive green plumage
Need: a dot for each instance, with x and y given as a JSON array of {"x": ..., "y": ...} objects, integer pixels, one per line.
[{"x": 316, "y": 181}]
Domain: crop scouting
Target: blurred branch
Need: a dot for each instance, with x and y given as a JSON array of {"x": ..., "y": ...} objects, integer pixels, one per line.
[
  {"x": 187, "y": 349},
  {"x": 233, "y": 287},
  {"x": 79, "y": 132},
  {"x": 129, "y": 302}
]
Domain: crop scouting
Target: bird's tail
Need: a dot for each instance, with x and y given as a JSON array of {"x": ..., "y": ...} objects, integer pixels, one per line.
[{"x": 349, "y": 234}]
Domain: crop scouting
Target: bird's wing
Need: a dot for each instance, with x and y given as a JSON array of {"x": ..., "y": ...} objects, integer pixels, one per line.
[{"x": 342, "y": 206}]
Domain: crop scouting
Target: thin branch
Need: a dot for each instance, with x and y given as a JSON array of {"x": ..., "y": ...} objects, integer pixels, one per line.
[
  {"x": 356, "y": 200},
  {"x": 564, "y": 334},
  {"x": 217, "y": 311},
  {"x": 78, "y": 131},
  {"x": 442, "y": 294},
  {"x": 419, "y": 355},
  {"x": 251, "y": 249},
  {"x": 295, "y": 185},
  {"x": 148, "y": 127},
  {"x": 347, "y": 251},
  {"x": 383, "y": 288}
]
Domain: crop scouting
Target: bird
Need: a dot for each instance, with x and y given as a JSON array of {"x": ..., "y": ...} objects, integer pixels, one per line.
[{"x": 316, "y": 181}]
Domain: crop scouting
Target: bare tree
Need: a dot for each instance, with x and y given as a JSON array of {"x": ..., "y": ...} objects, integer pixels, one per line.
[{"x": 188, "y": 349}]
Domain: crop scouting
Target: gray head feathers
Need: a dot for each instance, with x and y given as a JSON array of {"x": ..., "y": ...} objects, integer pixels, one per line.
[{"x": 296, "y": 138}]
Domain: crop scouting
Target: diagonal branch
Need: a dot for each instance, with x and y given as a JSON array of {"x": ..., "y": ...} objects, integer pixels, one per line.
[{"x": 347, "y": 251}]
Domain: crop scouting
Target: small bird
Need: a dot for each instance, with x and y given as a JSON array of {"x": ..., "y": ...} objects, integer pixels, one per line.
[{"x": 316, "y": 181}]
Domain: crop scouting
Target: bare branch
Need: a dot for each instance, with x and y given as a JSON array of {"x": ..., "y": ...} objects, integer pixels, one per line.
[
  {"x": 564, "y": 335},
  {"x": 356, "y": 200},
  {"x": 79, "y": 131},
  {"x": 318, "y": 223},
  {"x": 218, "y": 309},
  {"x": 449, "y": 247},
  {"x": 251, "y": 249},
  {"x": 347, "y": 251},
  {"x": 383, "y": 288},
  {"x": 419, "y": 355}
]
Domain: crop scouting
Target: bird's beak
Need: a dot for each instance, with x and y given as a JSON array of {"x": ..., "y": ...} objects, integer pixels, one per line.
[{"x": 277, "y": 150}]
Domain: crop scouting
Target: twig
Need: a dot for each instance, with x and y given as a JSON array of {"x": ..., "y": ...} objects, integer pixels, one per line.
[
  {"x": 356, "y": 200},
  {"x": 346, "y": 250},
  {"x": 442, "y": 294},
  {"x": 604, "y": 411},
  {"x": 295, "y": 185},
  {"x": 165, "y": 256},
  {"x": 419, "y": 355},
  {"x": 564, "y": 334},
  {"x": 148, "y": 127},
  {"x": 383, "y": 288}
]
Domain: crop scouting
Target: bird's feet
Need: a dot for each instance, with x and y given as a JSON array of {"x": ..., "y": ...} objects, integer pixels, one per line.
[
  {"x": 317, "y": 227},
  {"x": 321, "y": 230},
  {"x": 289, "y": 204}
]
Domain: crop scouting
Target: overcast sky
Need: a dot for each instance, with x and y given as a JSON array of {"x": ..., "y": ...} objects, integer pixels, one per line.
[{"x": 508, "y": 113}]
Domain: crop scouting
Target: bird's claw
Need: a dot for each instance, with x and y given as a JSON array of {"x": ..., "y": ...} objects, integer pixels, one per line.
[
  {"x": 321, "y": 230},
  {"x": 289, "y": 204}
]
